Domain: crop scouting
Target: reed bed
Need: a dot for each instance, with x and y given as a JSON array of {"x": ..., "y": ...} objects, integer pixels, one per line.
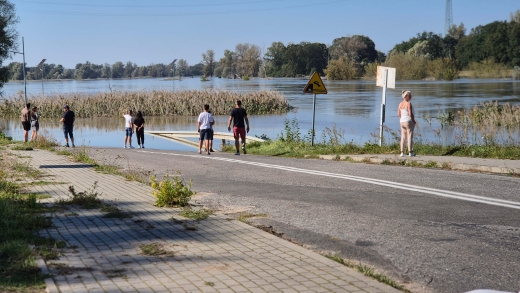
[
  {"x": 488, "y": 114},
  {"x": 151, "y": 103}
]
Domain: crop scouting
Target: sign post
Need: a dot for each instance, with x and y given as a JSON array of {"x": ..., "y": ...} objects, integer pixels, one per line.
[
  {"x": 385, "y": 79},
  {"x": 314, "y": 86}
]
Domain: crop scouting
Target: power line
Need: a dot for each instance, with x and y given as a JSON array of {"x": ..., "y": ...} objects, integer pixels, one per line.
[
  {"x": 148, "y": 6},
  {"x": 179, "y": 13}
]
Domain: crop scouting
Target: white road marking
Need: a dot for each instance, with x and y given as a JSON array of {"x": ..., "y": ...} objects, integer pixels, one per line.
[{"x": 427, "y": 190}]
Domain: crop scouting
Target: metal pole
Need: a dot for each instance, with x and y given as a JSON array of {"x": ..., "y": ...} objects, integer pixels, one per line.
[
  {"x": 24, "y": 77},
  {"x": 43, "y": 92},
  {"x": 383, "y": 106},
  {"x": 313, "y": 116}
]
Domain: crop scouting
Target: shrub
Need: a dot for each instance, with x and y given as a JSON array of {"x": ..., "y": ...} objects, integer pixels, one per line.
[{"x": 171, "y": 191}]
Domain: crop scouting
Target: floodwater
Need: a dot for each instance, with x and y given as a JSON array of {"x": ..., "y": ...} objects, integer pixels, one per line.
[{"x": 352, "y": 107}]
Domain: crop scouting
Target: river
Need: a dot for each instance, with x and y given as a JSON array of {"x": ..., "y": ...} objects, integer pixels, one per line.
[{"x": 353, "y": 107}]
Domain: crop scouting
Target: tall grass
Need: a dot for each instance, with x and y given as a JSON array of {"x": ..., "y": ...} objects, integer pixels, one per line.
[
  {"x": 489, "y": 69},
  {"x": 151, "y": 103},
  {"x": 291, "y": 143},
  {"x": 22, "y": 218}
]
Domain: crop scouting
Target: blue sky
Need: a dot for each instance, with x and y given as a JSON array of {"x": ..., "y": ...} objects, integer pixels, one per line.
[{"x": 157, "y": 31}]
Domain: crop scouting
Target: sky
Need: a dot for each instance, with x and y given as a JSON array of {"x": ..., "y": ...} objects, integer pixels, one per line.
[{"x": 145, "y": 32}]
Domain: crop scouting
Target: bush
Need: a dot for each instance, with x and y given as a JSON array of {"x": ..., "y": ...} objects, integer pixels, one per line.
[{"x": 171, "y": 191}]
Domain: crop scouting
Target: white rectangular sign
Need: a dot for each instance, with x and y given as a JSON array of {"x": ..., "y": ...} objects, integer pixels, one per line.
[{"x": 390, "y": 78}]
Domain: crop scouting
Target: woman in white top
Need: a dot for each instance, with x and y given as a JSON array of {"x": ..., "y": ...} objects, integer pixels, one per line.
[{"x": 407, "y": 119}]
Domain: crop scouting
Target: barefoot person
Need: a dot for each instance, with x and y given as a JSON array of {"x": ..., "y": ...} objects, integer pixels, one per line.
[
  {"x": 204, "y": 124},
  {"x": 238, "y": 116},
  {"x": 407, "y": 119},
  {"x": 35, "y": 124},
  {"x": 129, "y": 128},
  {"x": 68, "y": 125},
  {"x": 26, "y": 121}
]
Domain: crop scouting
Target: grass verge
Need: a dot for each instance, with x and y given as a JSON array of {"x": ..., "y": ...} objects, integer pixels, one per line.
[{"x": 367, "y": 271}]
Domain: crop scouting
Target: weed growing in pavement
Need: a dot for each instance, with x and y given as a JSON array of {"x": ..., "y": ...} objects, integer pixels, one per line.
[
  {"x": 209, "y": 284},
  {"x": 155, "y": 249},
  {"x": 368, "y": 271},
  {"x": 197, "y": 215},
  {"x": 430, "y": 164},
  {"x": 244, "y": 217},
  {"x": 22, "y": 147},
  {"x": 86, "y": 199},
  {"x": 114, "y": 212},
  {"x": 171, "y": 191},
  {"x": 116, "y": 273}
]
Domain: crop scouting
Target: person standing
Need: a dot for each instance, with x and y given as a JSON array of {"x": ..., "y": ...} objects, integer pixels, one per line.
[
  {"x": 129, "y": 128},
  {"x": 35, "y": 124},
  {"x": 26, "y": 121},
  {"x": 204, "y": 125},
  {"x": 407, "y": 120},
  {"x": 68, "y": 125},
  {"x": 210, "y": 138},
  {"x": 139, "y": 129},
  {"x": 238, "y": 116}
]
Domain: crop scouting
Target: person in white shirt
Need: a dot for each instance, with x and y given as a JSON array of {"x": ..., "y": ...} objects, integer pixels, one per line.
[
  {"x": 129, "y": 128},
  {"x": 407, "y": 119},
  {"x": 205, "y": 123}
]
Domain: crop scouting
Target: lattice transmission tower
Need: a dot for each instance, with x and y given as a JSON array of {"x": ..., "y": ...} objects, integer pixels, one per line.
[{"x": 448, "y": 21}]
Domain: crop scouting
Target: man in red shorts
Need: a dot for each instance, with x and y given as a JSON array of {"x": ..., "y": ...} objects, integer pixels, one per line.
[{"x": 238, "y": 116}]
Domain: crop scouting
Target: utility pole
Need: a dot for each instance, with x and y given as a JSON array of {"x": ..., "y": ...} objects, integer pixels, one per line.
[
  {"x": 173, "y": 72},
  {"x": 24, "y": 77},
  {"x": 41, "y": 69},
  {"x": 448, "y": 21}
]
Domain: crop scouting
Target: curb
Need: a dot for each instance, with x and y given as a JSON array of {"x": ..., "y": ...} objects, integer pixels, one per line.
[
  {"x": 451, "y": 165},
  {"x": 49, "y": 281}
]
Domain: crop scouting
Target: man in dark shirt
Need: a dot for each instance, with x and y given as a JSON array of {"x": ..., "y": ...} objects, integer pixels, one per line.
[
  {"x": 68, "y": 125},
  {"x": 238, "y": 116}
]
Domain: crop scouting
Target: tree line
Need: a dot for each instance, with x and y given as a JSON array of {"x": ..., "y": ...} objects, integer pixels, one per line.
[{"x": 427, "y": 54}]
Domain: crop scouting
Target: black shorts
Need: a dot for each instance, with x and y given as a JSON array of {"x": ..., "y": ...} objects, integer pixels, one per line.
[
  {"x": 26, "y": 125},
  {"x": 204, "y": 134}
]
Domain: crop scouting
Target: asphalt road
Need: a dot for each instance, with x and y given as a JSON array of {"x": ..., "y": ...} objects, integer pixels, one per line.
[{"x": 442, "y": 231}]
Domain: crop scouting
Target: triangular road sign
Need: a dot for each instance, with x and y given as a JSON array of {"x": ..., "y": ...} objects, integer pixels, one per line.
[{"x": 315, "y": 85}]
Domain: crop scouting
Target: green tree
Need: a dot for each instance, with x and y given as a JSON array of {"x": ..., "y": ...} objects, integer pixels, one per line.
[
  {"x": 208, "y": 59},
  {"x": 182, "y": 68},
  {"x": 8, "y": 36},
  {"x": 274, "y": 59},
  {"x": 118, "y": 70},
  {"x": 247, "y": 59}
]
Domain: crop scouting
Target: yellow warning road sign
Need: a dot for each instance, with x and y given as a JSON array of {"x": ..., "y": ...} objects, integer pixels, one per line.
[{"x": 315, "y": 85}]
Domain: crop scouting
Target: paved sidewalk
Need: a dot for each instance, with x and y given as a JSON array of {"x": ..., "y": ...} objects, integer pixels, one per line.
[
  {"x": 221, "y": 255},
  {"x": 452, "y": 162}
]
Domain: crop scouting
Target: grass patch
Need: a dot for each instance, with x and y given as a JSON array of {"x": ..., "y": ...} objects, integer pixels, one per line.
[
  {"x": 155, "y": 249},
  {"x": 114, "y": 212},
  {"x": 198, "y": 215},
  {"x": 22, "y": 147},
  {"x": 43, "y": 182},
  {"x": 367, "y": 271},
  {"x": 87, "y": 199},
  {"x": 245, "y": 217},
  {"x": 292, "y": 143}
]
